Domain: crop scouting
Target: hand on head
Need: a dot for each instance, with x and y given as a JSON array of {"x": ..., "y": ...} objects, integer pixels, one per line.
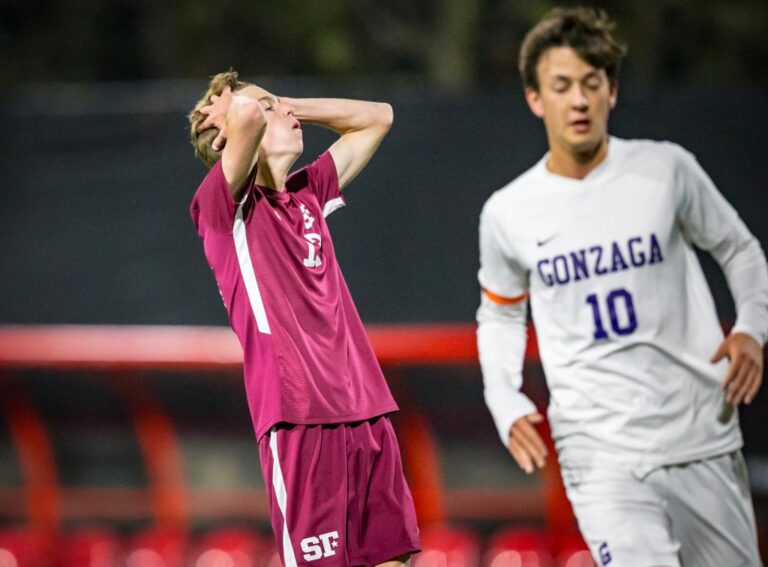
[{"x": 216, "y": 114}]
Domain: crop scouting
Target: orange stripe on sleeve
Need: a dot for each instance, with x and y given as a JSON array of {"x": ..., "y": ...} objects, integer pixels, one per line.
[{"x": 504, "y": 300}]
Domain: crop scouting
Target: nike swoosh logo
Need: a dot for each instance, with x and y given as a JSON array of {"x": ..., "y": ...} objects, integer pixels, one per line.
[{"x": 544, "y": 241}]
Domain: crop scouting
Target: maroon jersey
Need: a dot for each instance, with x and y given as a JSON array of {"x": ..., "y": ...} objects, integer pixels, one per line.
[{"x": 307, "y": 359}]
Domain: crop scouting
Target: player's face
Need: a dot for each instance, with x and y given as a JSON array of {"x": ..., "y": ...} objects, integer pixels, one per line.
[
  {"x": 283, "y": 135},
  {"x": 574, "y": 100}
]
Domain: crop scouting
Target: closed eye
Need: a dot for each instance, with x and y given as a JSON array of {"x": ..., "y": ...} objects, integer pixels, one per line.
[
  {"x": 593, "y": 83},
  {"x": 267, "y": 102}
]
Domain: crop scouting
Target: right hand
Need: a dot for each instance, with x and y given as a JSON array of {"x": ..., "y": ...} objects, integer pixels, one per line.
[
  {"x": 525, "y": 444},
  {"x": 216, "y": 117}
]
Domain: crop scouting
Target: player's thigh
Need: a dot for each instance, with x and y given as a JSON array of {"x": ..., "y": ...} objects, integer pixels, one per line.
[
  {"x": 621, "y": 518},
  {"x": 382, "y": 527},
  {"x": 305, "y": 475},
  {"x": 712, "y": 514}
]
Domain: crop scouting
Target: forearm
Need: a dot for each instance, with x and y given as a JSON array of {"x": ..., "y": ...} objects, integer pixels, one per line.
[
  {"x": 744, "y": 265},
  {"x": 245, "y": 126},
  {"x": 501, "y": 341},
  {"x": 342, "y": 115}
]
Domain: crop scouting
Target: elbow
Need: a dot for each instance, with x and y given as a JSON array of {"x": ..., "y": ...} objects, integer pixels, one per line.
[
  {"x": 490, "y": 312},
  {"x": 385, "y": 114},
  {"x": 734, "y": 256}
]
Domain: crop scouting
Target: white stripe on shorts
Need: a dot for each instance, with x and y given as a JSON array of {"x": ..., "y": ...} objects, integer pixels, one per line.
[{"x": 280, "y": 492}]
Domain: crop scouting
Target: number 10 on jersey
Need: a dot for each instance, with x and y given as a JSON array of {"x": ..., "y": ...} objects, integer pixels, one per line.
[{"x": 618, "y": 300}]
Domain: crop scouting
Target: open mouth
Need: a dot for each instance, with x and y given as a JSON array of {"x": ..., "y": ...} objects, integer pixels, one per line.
[{"x": 581, "y": 126}]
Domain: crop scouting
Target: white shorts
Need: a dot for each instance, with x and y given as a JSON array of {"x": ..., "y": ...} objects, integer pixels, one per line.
[{"x": 696, "y": 514}]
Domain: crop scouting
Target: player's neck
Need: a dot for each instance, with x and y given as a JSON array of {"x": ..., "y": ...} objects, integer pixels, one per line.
[
  {"x": 273, "y": 171},
  {"x": 576, "y": 165}
]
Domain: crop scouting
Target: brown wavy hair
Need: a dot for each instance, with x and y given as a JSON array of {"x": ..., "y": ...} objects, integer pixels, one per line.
[{"x": 589, "y": 32}]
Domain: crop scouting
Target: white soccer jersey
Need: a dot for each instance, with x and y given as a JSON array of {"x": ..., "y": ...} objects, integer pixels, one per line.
[{"x": 625, "y": 320}]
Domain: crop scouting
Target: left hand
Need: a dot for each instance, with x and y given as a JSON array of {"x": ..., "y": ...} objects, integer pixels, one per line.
[{"x": 745, "y": 373}]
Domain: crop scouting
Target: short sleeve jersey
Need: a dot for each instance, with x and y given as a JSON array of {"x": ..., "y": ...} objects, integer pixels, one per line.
[
  {"x": 307, "y": 359},
  {"x": 625, "y": 320}
]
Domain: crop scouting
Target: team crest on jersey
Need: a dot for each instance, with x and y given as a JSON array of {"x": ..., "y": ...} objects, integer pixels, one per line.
[
  {"x": 314, "y": 240},
  {"x": 323, "y": 545},
  {"x": 599, "y": 260}
]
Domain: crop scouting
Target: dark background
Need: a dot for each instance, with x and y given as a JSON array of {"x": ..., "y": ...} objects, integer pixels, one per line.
[
  {"x": 97, "y": 180},
  {"x": 97, "y": 172}
]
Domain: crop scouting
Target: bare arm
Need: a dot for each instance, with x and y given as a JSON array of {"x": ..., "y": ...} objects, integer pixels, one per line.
[
  {"x": 362, "y": 126},
  {"x": 241, "y": 122}
]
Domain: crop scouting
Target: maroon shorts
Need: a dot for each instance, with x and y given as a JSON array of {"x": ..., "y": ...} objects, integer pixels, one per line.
[{"x": 337, "y": 494}]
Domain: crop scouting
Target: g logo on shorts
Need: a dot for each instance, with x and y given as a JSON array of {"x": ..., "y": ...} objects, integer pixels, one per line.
[{"x": 605, "y": 554}]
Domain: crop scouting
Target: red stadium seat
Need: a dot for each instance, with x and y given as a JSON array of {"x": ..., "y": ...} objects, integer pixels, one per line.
[
  {"x": 230, "y": 548},
  {"x": 271, "y": 556},
  {"x": 515, "y": 547},
  {"x": 21, "y": 548},
  {"x": 156, "y": 548},
  {"x": 96, "y": 547},
  {"x": 448, "y": 547},
  {"x": 575, "y": 553}
]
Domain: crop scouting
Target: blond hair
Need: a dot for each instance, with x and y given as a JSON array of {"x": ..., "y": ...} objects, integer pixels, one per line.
[{"x": 203, "y": 141}]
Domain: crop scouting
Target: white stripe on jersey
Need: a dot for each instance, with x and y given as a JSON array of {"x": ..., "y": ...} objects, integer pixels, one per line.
[
  {"x": 332, "y": 205},
  {"x": 282, "y": 496},
  {"x": 246, "y": 269}
]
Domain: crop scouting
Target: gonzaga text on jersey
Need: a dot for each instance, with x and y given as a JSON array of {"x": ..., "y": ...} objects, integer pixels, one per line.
[{"x": 598, "y": 260}]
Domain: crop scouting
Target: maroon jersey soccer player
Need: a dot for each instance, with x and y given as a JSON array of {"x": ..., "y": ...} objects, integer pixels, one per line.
[{"x": 317, "y": 397}]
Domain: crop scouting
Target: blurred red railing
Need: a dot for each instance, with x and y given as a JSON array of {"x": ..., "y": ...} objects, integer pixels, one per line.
[
  {"x": 120, "y": 349},
  {"x": 179, "y": 347}
]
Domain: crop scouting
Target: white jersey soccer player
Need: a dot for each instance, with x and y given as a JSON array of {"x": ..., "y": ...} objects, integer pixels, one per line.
[
  {"x": 624, "y": 318},
  {"x": 599, "y": 236}
]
